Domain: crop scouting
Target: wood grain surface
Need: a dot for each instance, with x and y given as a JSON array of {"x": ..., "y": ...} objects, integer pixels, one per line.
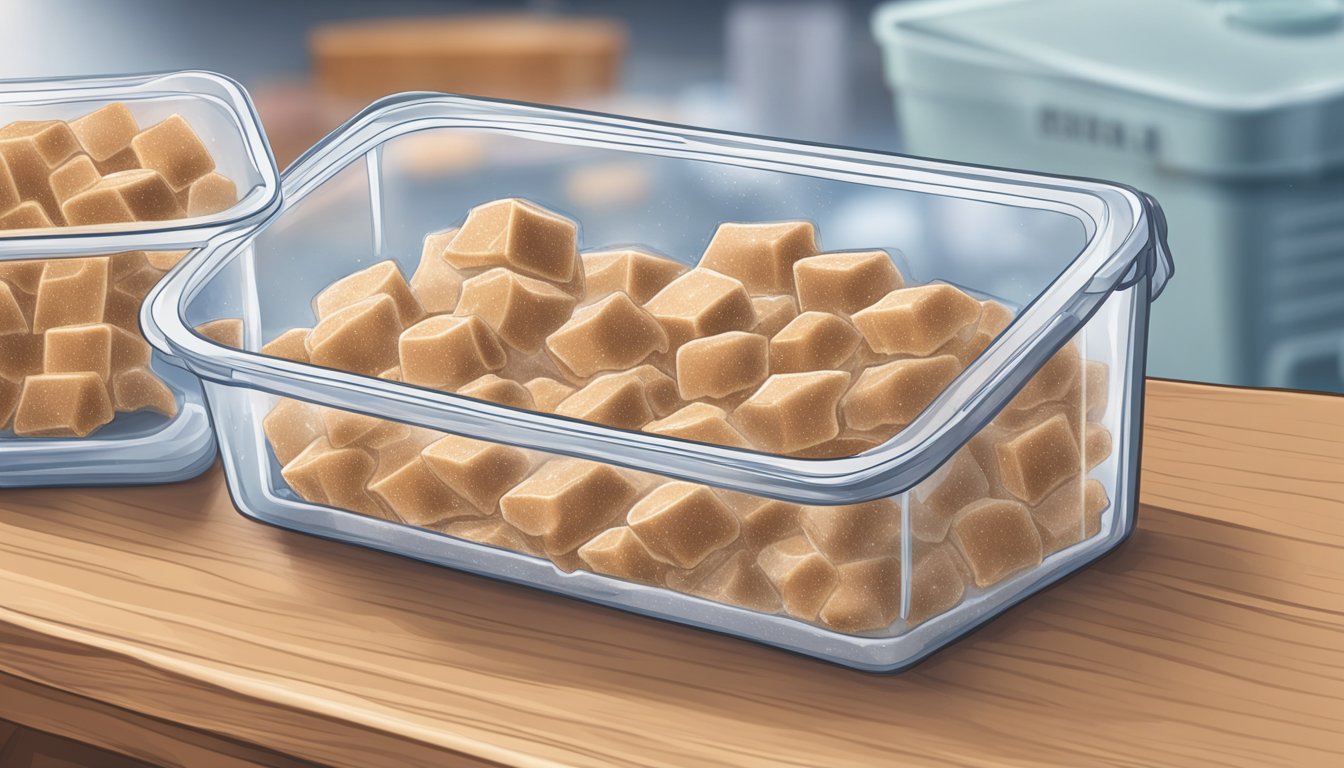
[{"x": 1215, "y": 636}]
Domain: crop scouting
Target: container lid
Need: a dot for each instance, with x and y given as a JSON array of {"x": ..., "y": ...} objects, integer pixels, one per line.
[
  {"x": 1125, "y": 245},
  {"x": 1269, "y": 71},
  {"x": 216, "y": 107}
]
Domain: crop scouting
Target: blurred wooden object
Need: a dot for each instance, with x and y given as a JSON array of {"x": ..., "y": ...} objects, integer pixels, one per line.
[{"x": 524, "y": 57}]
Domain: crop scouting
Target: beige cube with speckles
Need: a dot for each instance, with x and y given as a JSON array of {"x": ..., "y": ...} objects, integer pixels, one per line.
[
  {"x": 814, "y": 341},
  {"x": 614, "y": 399},
  {"x": 844, "y": 283},
  {"x": 520, "y": 235},
  {"x": 477, "y": 470},
  {"x": 122, "y": 197},
  {"x": 997, "y": 539},
  {"x": 334, "y": 476},
  {"x": 62, "y": 405},
  {"x": 761, "y": 255},
  {"x": 701, "y": 422},
  {"x": 445, "y": 352},
  {"x": 137, "y": 388},
  {"x": 773, "y": 313},
  {"x": 173, "y": 149},
  {"x": 892, "y": 395},
  {"x": 720, "y": 365},
  {"x": 854, "y": 531},
  {"x": 916, "y": 321},
  {"x": 683, "y": 523},
  {"x": 494, "y": 389},
  {"x": 792, "y": 411},
  {"x": 71, "y": 292},
  {"x": 437, "y": 285},
  {"x": 383, "y": 278},
  {"x": 567, "y": 502},
  {"x": 802, "y": 576},
  {"x": 419, "y": 497},
  {"x": 547, "y": 394},
  {"x": 619, "y": 552},
  {"x": 209, "y": 194},
  {"x": 521, "y": 309},
  {"x": 701, "y": 303},
  {"x": 866, "y": 598},
  {"x": 1038, "y": 460},
  {"x": 610, "y": 335},
  {"x": 637, "y": 273}
]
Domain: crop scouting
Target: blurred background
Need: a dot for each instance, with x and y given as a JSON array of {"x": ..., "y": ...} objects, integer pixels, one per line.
[{"x": 1230, "y": 112}]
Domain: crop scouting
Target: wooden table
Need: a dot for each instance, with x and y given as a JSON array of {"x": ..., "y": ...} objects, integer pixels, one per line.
[{"x": 159, "y": 623}]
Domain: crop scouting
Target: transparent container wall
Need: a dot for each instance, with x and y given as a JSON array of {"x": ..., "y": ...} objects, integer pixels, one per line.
[
  {"x": 1003, "y": 517},
  {"x": 427, "y": 181},
  {"x": 215, "y": 122}
]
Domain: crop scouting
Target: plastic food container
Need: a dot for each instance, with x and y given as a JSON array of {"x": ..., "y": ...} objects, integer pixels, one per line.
[
  {"x": 140, "y": 447},
  {"x": 1086, "y": 260},
  {"x": 1226, "y": 127}
]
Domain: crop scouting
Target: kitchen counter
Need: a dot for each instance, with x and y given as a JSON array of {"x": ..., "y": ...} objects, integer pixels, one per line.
[{"x": 159, "y": 623}]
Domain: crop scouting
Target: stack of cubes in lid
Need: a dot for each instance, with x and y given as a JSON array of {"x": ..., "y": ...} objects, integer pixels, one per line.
[
  {"x": 769, "y": 343},
  {"x": 71, "y": 353}
]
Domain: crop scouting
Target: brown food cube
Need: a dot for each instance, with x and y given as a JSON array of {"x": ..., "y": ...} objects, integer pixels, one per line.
[
  {"x": 619, "y": 552},
  {"x": 632, "y": 271},
  {"x": 522, "y": 236},
  {"x": 20, "y": 355},
  {"x": 334, "y": 476},
  {"x": 492, "y": 532},
  {"x": 936, "y": 584},
  {"x": 393, "y": 455},
  {"x": 547, "y": 394},
  {"x": 31, "y": 149},
  {"x": 445, "y": 352},
  {"x": 615, "y": 399},
  {"x": 916, "y": 321},
  {"x": 701, "y": 422},
  {"x": 802, "y": 576},
  {"x": 140, "y": 282},
  {"x": 28, "y": 215},
  {"x": 739, "y": 581},
  {"x": 97, "y": 348},
  {"x": 9, "y": 189},
  {"x": 613, "y": 334},
  {"x": 71, "y": 292},
  {"x": 566, "y": 502},
  {"x": 209, "y": 194},
  {"x": 1056, "y": 379},
  {"x": 720, "y": 365},
  {"x": 1096, "y": 444},
  {"x": 854, "y": 531},
  {"x": 291, "y": 426},
  {"x": 842, "y": 446},
  {"x": 105, "y": 131},
  {"x": 522, "y": 310},
  {"x": 813, "y": 341},
  {"x": 773, "y": 313},
  {"x": 1096, "y": 388},
  {"x": 701, "y": 303},
  {"x": 792, "y": 411},
  {"x": 173, "y": 149},
  {"x": 496, "y": 390},
  {"x": 9, "y": 400},
  {"x": 347, "y": 428},
  {"x": 13, "y": 318},
  {"x": 761, "y": 255},
  {"x": 419, "y": 497},
  {"x": 135, "y": 389},
  {"x": 290, "y": 345},
  {"x": 164, "y": 260},
  {"x": 1035, "y": 462},
  {"x": 436, "y": 283},
  {"x": 892, "y": 395},
  {"x": 383, "y": 278},
  {"x": 227, "y": 331},
  {"x": 844, "y": 283},
  {"x": 74, "y": 176},
  {"x": 125, "y": 196},
  {"x": 941, "y": 495},
  {"x": 1070, "y": 514},
  {"x": 477, "y": 470},
  {"x": 867, "y": 596},
  {"x": 659, "y": 389},
  {"x": 994, "y": 317},
  {"x": 763, "y": 521},
  {"x": 683, "y": 523},
  {"x": 997, "y": 539},
  {"x": 62, "y": 404},
  {"x": 363, "y": 337}
]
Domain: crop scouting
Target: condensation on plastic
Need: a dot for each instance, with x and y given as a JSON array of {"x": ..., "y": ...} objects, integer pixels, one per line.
[
  {"x": 141, "y": 448},
  {"x": 1083, "y": 259}
]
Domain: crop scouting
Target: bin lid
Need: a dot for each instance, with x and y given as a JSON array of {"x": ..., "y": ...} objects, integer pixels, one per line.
[{"x": 1267, "y": 76}]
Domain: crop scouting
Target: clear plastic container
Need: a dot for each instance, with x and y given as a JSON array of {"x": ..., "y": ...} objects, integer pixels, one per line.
[
  {"x": 140, "y": 447},
  {"x": 1082, "y": 260}
]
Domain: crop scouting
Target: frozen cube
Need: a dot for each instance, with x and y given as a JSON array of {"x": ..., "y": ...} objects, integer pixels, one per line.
[
  {"x": 701, "y": 422},
  {"x": 1055, "y": 381},
  {"x": 522, "y": 310},
  {"x": 940, "y": 496},
  {"x": 27, "y": 215},
  {"x": 701, "y": 303},
  {"x": 477, "y": 470},
  {"x": 637, "y": 273},
  {"x": 334, "y": 476},
  {"x": 74, "y": 176},
  {"x": 13, "y": 318},
  {"x": 615, "y": 399},
  {"x": 844, "y": 283},
  {"x": 610, "y": 335},
  {"x": 802, "y": 576},
  {"x": 383, "y": 278},
  {"x": 936, "y": 583},
  {"x": 227, "y": 331},
  {"x": 494, "y": 389},
  {"x": 916, "y": 321},
  {"x": 209, "y": 194},
  {"x": 854, "y": 531},
  {"x": 813, "y": 341},
  {"x": 347, "y": 428},
  {"x": 121, "y": 197},
  {"x": 892, "y": 395},
  {"x": 97, "y": 348},
  {"x": 173, "y": 149},
  {"x": 547, "y": 394},
  {"x": 997, "y": 538},
  {"x": 792, "y": 411},
  {"x": 761, "y": 255},
  {"x": 619, "y": 552},
  {"x": 683, "y": 523},
  {"x": 739, "y": 580},
  {"x": 62, "y": 404},
  {"x": 721, "y": 365},
  {"x": 71, "y": 292},
  {"x": 773, "y": 313},
  {"x": 137, "y": 388},
  {"x": 445, "y": 352},
  {"x": 867, "y": 596},
  {"x": 290, "y": 345},
  {"x": 419, "y": 497},
  {"x": 437, "y": 285},
  {"x": 566, "y": 502},
  {"x": 520, "y": 235},
  {"x": 1070, "y": 514},
  {"x": 105, "y": 131},
  {"x": 1037, "y": 461}
]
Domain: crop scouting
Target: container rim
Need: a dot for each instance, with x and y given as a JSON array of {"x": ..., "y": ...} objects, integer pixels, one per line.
[
  {"x": 260, "y": 203},
  {"x": 1125, "y": 247}
]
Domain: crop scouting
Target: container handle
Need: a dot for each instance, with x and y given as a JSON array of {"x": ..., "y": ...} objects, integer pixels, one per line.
[{"x": 1160, "y": 265}]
